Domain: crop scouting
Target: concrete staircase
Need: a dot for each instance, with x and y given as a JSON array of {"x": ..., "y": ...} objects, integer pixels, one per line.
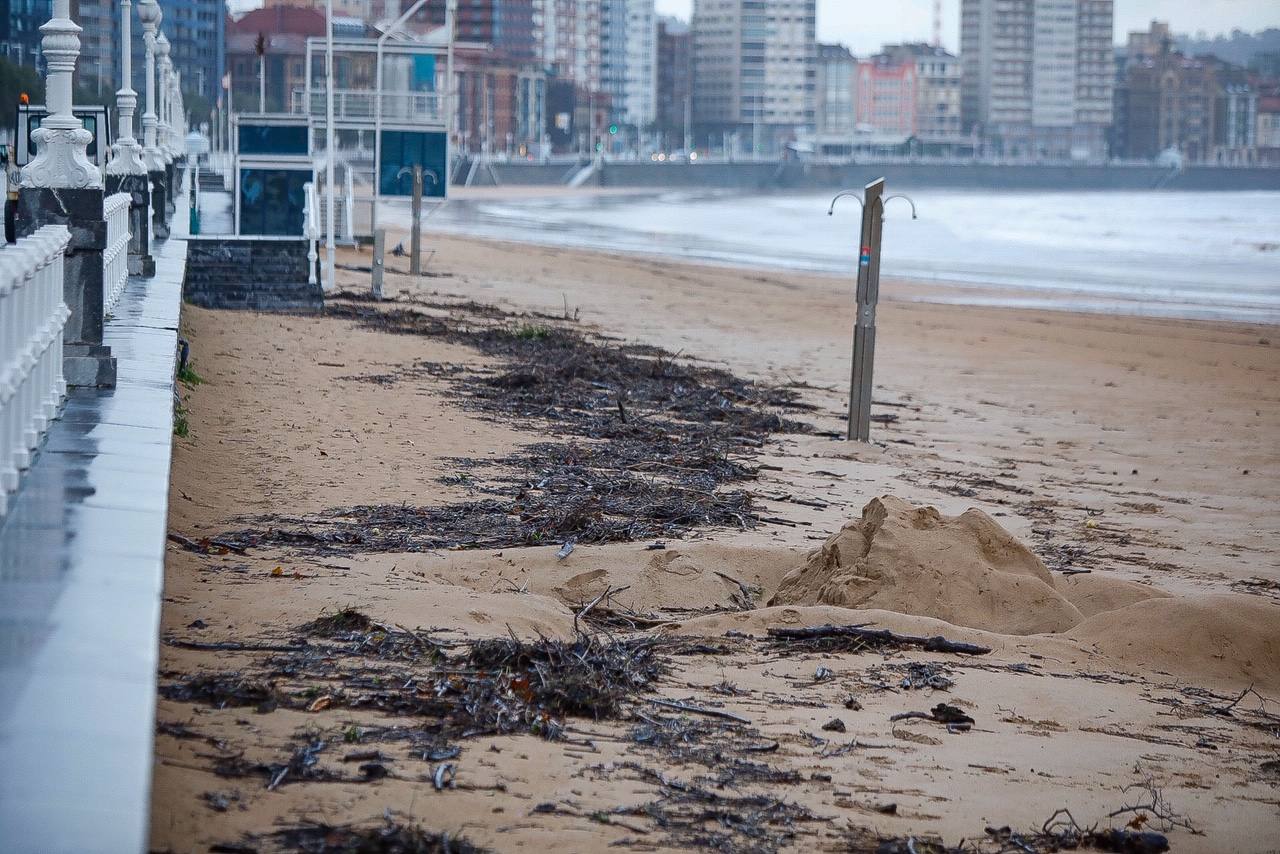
[{"x": 250, "y": 273}]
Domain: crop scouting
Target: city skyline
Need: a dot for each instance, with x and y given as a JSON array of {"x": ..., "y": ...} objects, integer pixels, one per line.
[{"x": 865, "y": 26}]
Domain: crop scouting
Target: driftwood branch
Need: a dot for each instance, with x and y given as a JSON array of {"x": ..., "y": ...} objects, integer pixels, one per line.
[
  {"x": 882, "y": 636},
  {"x": 699, "y": 710}
]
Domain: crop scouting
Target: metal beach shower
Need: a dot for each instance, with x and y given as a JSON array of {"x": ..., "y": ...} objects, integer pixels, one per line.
[{"x": 872, "y": 200}]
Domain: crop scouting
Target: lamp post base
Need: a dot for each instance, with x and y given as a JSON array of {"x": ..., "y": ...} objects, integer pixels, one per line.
[{"x": 87, "y": 361}]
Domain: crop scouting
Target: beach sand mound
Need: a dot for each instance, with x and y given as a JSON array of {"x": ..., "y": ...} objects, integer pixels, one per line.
[
  {"x": 1224, "y": 639},
  {"x": 964, "y": 569},
  {"x": 1095, "y": 594}
]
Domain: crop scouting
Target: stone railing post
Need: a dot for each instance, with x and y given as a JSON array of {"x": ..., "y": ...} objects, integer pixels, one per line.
[
  {"x": 149, "y": 15},
  {"x": 127, "y": 173},
  {"x": 61, "y": 187}
]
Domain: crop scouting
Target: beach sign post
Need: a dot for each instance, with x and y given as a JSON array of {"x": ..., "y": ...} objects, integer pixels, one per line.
[{"x": 873, "y": 201}]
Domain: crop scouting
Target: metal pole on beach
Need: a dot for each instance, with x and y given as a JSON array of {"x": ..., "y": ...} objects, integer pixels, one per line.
[
  {"x": 873, "y": 201},
  {"x": 864, "y": 329},
  {"x": 450, "y": 13},
  {"x": 331, "y": 142},
  {"x": 415, "y": 239},
  {"x": 379, "y": 260}
]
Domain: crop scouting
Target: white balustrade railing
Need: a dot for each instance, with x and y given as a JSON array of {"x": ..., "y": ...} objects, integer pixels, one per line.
[
  {"x": 356, "y": 104},
  {"x": 311, "y": 228},
  {"x": 32, "y": 317},
  {"x": 115, "y": 257}
]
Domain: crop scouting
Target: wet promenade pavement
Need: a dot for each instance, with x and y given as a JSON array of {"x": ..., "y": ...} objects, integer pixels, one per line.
[{"x": 81, "y": 574}]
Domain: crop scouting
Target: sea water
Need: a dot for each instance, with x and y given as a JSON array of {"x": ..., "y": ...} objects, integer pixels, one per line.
[{"x": 1163, "y": 254}]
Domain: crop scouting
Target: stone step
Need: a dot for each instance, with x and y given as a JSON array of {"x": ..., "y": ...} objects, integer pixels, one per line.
[{"x": 257, "y": 274}]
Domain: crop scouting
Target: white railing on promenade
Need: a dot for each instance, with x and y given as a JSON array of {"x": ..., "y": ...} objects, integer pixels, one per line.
[
  {"x": 32, "y": 317},
  {"x": 115, "y": 257},
  {"x": 352, "y": 104},
  {"x": 311, "y": 228}
]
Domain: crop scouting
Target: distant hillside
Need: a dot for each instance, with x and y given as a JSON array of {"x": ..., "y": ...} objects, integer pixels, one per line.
[{"x": 1238, "y": 47}]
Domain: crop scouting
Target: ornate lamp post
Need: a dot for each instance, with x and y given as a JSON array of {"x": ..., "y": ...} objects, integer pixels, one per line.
[
  {"x": 60, "y": 186},
  {"x": 61, "y": 139},
  {"x": 127, "y": 173},
  {"x": 163, "y": 68},
  {"x": 126, "y": 154},
  {"x": 149, "y": 15},
  {"x": 164, "y": 129}
]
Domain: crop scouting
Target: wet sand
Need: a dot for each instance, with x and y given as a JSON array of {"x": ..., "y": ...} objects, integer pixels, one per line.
[{"x": 1142, "y": 451}]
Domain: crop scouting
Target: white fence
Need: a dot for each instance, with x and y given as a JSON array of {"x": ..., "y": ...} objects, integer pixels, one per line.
[
  {"x": 32, "y": 316},
  {"x": 115, "y": 257}
]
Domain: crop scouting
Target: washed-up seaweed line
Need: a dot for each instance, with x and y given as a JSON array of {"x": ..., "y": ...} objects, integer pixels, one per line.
[{"x": 652, "y": 442}]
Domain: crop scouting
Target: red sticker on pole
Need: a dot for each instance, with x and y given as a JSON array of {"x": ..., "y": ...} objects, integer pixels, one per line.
[{"x": 864, "y": 260}]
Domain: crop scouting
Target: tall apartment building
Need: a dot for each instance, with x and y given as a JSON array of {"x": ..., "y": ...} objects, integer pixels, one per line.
[
  {"x": 1038, "y": 75},
  {"x": 675, "y": 80},
  {"x": 1269, "y": 130},
  {"x": 754, "y": 68},
  {"x": 629, "y": 60},
  {"x": 197, "y": 34},
  {"x": 834, "y": 112},
  {"x": 938, "y": 79},
  {"x": 511, "y": 27},
  {"x": 1202, "y": 107},
  {"x": 1170, "y": 106},
  {"x": 885, "y": 95},
  {"x": 640, "y": 89},
  {"x": 99, "y": 58},
  {"x": 570, "y": 37},
  {"x": 20, "y": 22}
]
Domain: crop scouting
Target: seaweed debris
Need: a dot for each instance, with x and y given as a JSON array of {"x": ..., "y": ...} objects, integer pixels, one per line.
[
  {"x": 343, "y": 622},
  {"x": 650, "y": 441},
  {"x": 729, "y": 751},
  {"x": 696, "y": 817},
  {"x": 1061, "y": 832},
  {"x": 586, "y": 677},
  {"x": 494, "y": 686},
  {"x": 225, "y": 691},
  {"x": 389, "y": 837}
]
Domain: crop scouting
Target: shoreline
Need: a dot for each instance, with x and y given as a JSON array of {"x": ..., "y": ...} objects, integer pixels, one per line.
[
  {"x": 1069, "y": 431},
  {"x": 1081, "y": 291},
  {"x": 893, "y": 288}
]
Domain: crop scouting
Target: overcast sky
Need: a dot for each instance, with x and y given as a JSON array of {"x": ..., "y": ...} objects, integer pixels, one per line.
[{"x": 864, "y": 25}]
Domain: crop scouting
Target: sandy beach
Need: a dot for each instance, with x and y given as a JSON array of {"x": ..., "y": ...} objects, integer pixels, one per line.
[{"x": 1105, "y": 493}]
